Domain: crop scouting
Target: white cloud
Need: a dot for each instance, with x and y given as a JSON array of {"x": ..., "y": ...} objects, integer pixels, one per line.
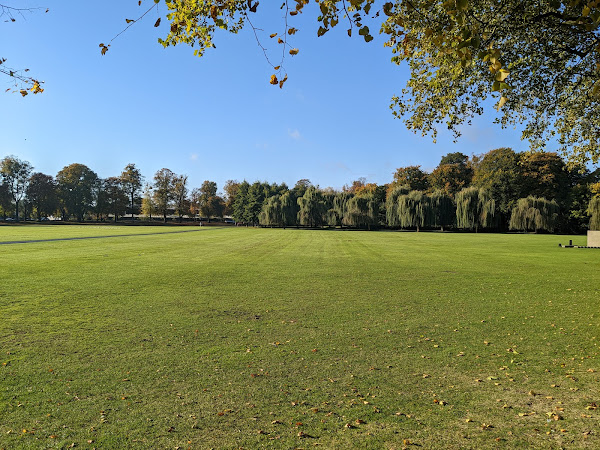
[
  {"x": 194, "y": 157},
  {"x": 294, "y": 134}
]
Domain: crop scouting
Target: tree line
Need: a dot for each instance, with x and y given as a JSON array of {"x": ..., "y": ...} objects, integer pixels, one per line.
[{"x": 499, "y": 190}]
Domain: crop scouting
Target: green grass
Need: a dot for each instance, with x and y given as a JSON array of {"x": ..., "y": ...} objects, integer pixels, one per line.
[{"x": 238, "y": 337}]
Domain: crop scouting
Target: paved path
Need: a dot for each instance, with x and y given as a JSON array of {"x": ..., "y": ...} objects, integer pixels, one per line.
[{"x": 95, "y": 237}]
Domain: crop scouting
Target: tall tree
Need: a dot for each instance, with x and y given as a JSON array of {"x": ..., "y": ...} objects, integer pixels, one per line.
[
  {"x": 195, "y": 197},
  {"x": 180, "y": 191},
  {"x": 230, "y": 189},
  {"x": 462, "y": 52},
  {"x": 574, "y": 218},
  {"x": 453, "y": 174},
  {"x": 414, "y": 210},
  {"x": 100, "y": 206},
  {"x": 362, "y": 211},
  {"x": 312, "y": 208},
  {"x": 300, "y": 187},
  {"x": 5, "y": 201},
  {"x": 411, "y": 176},
  {"x": 76, "y": 183},
  {"x": 594, "y": 211},
  {"x": 164, "y": 192},
  {"x": 239, "y": 205},
  {"x": 391, "y": 203},
  {"x": 545, "y": 175},
  {"x": 15, "y": 175},
  {"x": 257, "y": 192},
  {"x": 131, "y": 182},
  {"x": 289, "y": 209},
  {"x": 117, "y": 196},
  {"x": 148, "y": 204},
  {"x": 42, "y": 194},
  {"x": 475, "y": 208},
  {"x": 499, "y": 172},
  {"x": 208, "y": 199},
  {"x": 442, "y": 209},
  {"x": 339, "y": 210},
  {"x": 454, "y": 158},
  {"x": 212, "y": 207},
  {"x": 534, "y": 214},
  {"x": 271, "y": 214},
  {"x": 355, "y": 186}
]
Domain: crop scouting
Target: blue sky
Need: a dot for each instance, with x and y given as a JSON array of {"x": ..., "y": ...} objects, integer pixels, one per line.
[{"x": 214, "y": 117}]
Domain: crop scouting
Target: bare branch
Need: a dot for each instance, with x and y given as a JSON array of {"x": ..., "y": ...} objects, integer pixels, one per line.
[
  {"x": 130, "y": 23},
  {"x": 11, "y": 11}
]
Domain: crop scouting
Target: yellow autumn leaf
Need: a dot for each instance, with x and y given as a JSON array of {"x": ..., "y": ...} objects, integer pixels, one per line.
[
  {"x": 500, "y": 105},
  {"x": 283, "y": 81}
]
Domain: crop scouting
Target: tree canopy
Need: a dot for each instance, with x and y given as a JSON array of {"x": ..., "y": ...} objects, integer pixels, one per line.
[{"x": 15, "y": 173}]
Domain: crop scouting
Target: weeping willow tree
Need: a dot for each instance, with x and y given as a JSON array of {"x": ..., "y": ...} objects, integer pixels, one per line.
[
  {"x": 442, "y": 209},
  {"x": 475, "y": 208},
  {"x": 271, "y": 214},
  {"x": 361, "y": 212},
  {"x": 336, "y": 213},
  {"x": 391, "y": 204},
  {"x": 594, "y": 211},
  {"x": 289, "y": 209},
  {"x": 534, "y": 214},
  {"x": 312, "y": 208},
  {"x": 414, "y": 210}
]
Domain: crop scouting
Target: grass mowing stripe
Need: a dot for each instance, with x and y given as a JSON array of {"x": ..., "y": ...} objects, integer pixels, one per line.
[{"x": 93, "y": 237}]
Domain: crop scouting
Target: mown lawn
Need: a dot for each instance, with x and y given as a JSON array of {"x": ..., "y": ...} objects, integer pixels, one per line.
[{"x": 236, "y": 337}]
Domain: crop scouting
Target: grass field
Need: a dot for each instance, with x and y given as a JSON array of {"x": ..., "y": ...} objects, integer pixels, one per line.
[{"x": 231, "y": 337}]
